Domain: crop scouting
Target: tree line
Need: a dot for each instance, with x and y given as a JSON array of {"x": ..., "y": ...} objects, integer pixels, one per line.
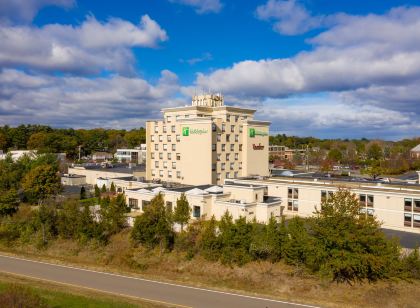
[{"x": 66, "y": 140}]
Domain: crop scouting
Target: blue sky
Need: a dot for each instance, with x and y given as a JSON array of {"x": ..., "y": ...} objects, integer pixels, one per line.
[{"x": 339, "y": 69}]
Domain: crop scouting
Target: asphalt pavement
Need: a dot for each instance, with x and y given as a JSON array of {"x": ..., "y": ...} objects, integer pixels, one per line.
[{"x": 169, "y": 294}]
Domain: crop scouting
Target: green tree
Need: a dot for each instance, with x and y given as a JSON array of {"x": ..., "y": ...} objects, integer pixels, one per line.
[
  {"x": 82, "y": 193},
  {"x": 113, "y": 217},
  {"x": 335, "y": 155},
  {"x": 97, "y": 191},
  {"x": 103, "y": 189},
  {"x": 9, "y": 202},
  {"x": 208, "y": 243},
  {"x": 350, "y": 246},
  {"x": 375, "y": 152},
  {"x": 112, "y": 188},
  {"x": 153, "y": 227},
  {"x": 182, "y": 211},
  {"x": 3, "y": 142},
  {"x": 41, "y": 182}
]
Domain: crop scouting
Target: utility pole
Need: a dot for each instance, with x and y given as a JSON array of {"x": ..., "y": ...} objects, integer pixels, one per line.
[
  {"x": 79, "y": 150},
  {"x": 307, "y": 157}
]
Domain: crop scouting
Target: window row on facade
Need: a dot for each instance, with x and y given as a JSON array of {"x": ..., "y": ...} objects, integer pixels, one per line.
[
  {"x": 169, "y": 174},
  {"x": 162, "y": 156}
]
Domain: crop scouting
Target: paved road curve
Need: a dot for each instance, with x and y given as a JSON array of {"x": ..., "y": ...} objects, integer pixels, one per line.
[{"x": 166, "y": 293}]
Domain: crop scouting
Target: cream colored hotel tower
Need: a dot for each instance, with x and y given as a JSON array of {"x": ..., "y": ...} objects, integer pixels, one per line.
[{"x": 206, "y": 143}]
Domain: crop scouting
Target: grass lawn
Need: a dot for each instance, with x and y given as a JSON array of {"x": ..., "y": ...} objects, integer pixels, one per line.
[{"x": 64, "y": 296}]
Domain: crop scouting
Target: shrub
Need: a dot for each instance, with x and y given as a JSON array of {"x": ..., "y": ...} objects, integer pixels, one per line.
[{"x": 16, "y": 296}]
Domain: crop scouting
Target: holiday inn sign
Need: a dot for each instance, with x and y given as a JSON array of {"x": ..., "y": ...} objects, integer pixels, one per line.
[
  {"x": 253, "y": 132},
  {"x": 186, "y": 131}
]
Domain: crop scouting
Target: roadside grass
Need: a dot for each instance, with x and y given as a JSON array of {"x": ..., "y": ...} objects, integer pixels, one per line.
[
  {"x": 56, "y": 295},
  {"x": 277, "y": 280}
]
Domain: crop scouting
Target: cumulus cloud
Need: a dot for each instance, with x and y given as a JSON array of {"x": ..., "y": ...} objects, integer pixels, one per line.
[
  {"x": 202, "y": 6},
  {"x": 115, "y": 101},
  {"x": 360, "y": 52},
  {"x": 289, "y": 17},
  {"x": 91, "y": 47},
  {"x": 24, "y": 11}
]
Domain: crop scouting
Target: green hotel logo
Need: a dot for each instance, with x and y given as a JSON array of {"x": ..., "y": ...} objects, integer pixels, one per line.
[
  {"x": 185, "y": 131},
  {"x": 253, "y": 132}
]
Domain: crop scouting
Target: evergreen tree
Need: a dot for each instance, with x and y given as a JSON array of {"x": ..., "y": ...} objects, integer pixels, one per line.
[
  {"x": 182, "y": 211},
  {"x": 82, "y": 193},
  {"x": 103, "y": 189},
  {"x": 350, "y": 245},
  {"x": 153, "y": 227},
  {"x": 9, "y": 202},
  {"x": 97, "y": 191},
  {"x": 208, "y": 242},
  {"x": 112, "y": 189}
]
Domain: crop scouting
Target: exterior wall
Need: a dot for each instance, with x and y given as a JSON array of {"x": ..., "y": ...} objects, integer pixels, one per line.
[
  {"x": 73, "y": 180},
  {"x": 388, "y": 205}
]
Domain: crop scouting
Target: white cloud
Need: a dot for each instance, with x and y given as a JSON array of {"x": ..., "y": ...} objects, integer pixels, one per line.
[
  {"x": 24, "y": 11},
  {"x": 115, "y": 101},
  {"x": 289, "y": 16},
  {"x": 89, "y": 48},
  {"x": 202, "y": 6},
  {"x": 204, "y": 57},
  {"x": 352, "y": 55}
]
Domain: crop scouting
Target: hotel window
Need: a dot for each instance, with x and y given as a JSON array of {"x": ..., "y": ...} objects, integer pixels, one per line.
[
  {"x": 236, "y": 138},
  {"x": 168, "y": 119},
  {"x": 133, "y": 203},
  {"x": 156, "y": 147},
  {"x": 152, "y": 138},
  {"x": 325, "y": 195},
  {"x": 160, "y": 155},
  {"x": 165, "y": 147},
  {"x": 362, "y": 200},
  {"x": 227, "y": 138},
  {"x": 168, "y": 138},
  {"x": 227, "y": 175},
  {"x": 416, "y": 221},
  {"x": 196, "y": 211},
  {"x": 152, "y": 155},
  {"x": 240, "y": 165},
  {"x": 236, "y": 118},
  {"x": 223, "y": 166},
  {"x": 232, "y": 166},
  {"x": 235, "y": 175},
  {"x": 416, "y": 207},
  {"x": 213, "y": 167},
  {"x": 153, "y": 172},
  {"x": 240, "y": 147},
  {"x": 178, "y": 156},
  {"x": 178, "y": 174},
  {"x": 408, "y": 217},
  {"x": 213, "y": 147},
  {"x": 178, "y": 138},
  {"x": 173, "y": 164},
  {"x": 187, "y": 116},
  {"x": 169, "y": 155},
  {"x": 369, "y": 201},
  {"x": 169, "y": 206},
  {"x": 232, "y": 147},
  {"x": 295, "y": 205},
  {"x": 223, "y": 127},
  {"x": 157, "y": 164},
  {"x": 293, "y": 196},
  {"x": 236, "y": 156},
  {"x": 160, "y": 138},
  {"x": 177, "y": 117},
  {"x": 213, "y": 127},
  {"x": 173, "y": 128},
  {"x": 174, "y": 147},
  {"x": 408, "y": 204},
  {"x": 240, "y": 128},
  {"x": 218, "y": 177},
  {"x": 156, "y": 129},
  {"x": 169, "y": 174},
  {"x": 218, "y": 157},
  {"x": 232, "y": 128},
  {"x": 164, "y": 129},
  {"x": 228, "y": 118},
  {"x": 161, "y": 173},
  {"x": 223, "y": 147},
  {"x": 219, "y": 137},
  {"x": 165, "y": 164},
  {"x": 227, "y": 156}
]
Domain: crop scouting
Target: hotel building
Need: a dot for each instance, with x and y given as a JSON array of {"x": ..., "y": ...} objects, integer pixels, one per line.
[{"x": 206, "y": 143}]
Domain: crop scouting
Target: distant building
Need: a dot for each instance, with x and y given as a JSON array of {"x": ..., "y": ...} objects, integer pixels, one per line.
[
  {"x": 135, "y": 156},
  {"x": 284, "y": 153},
  {"x": 101, "y": 156},
  {"x": 415, "y": 152},
  {"x": 18, "y": 154},
  {"x": 73, "y": 179}
]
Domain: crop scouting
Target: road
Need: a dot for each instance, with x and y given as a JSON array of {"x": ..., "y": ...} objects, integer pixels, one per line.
[
  {"x": 407, "y": 239},
  {"x": 169, "y": 294}
]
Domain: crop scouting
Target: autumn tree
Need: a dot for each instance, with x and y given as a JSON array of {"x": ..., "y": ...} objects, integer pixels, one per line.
[
  {"x": 41, "y": 182},
  {"x": 182, "y": 211}
]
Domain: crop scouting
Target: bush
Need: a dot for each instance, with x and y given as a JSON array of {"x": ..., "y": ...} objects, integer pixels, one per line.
[{"x": 16, "y": 296}]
